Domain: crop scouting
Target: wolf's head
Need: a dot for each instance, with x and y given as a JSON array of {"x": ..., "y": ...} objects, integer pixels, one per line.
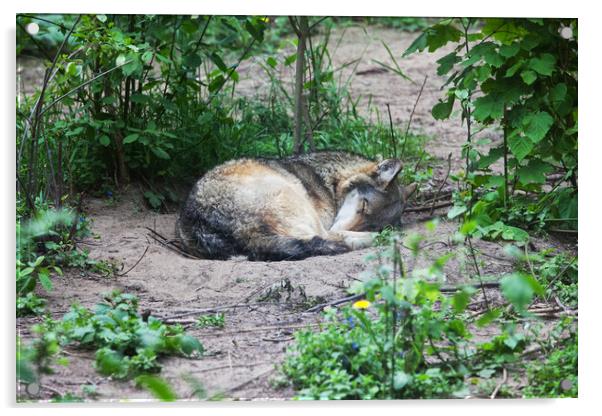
[{"x": 369, "y": 200}]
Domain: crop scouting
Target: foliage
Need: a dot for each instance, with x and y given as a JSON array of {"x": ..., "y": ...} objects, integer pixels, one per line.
[
  {"x": 30, "y": 304},
  {"x": 558, "y": 274},
  {"x": 45, "y": 245},
  {"x": 406, "y": 339},
  {"x": 557, "y": 375},
  {"x": 129, "y": 98},
  {"x": 217, "y": 320},
  {"x": 126, "y": 343},
  {"x": 157, "y": 386},
  {"x": 523, "y": 73},
  {"x": 150, "y": 98}
]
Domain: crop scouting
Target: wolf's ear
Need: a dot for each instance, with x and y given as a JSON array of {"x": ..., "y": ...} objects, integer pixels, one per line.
[{"x": 386, "y": 171}]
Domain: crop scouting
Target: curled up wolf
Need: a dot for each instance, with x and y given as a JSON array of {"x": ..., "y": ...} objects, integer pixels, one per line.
[{"x": 315, "y": 204}]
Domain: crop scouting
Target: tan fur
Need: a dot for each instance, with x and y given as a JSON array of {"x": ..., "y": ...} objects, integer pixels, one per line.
[{"x": 254, "y": 206}]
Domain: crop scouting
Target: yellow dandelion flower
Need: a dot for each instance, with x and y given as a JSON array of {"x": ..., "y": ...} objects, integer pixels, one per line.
[{"x": 362, "y": 304}]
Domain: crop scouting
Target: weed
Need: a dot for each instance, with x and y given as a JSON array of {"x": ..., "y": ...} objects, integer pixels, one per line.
[
  {"x": 556, "y": 376},
  {"x": 126, "y": 344},
  {"x": 30, "y": 304},
  {"x": 217, "y": 320}
]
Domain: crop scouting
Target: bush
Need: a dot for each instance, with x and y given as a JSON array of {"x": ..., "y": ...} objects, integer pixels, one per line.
[{"x": 406, "y": 338}]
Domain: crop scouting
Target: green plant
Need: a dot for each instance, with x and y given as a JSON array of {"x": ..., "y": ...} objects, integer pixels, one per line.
[
  {"x": 524, "y": 75},
  {"x": 126, "y": 343},
  {"x": 157, "y": 386},
  {"x": 556, "y": 376},
  {"x": 30, "y": 304},
  {"x": 217, "y": 320},
  {"x": 132, "y": 103},
  {"x": 406, "y": 338}
]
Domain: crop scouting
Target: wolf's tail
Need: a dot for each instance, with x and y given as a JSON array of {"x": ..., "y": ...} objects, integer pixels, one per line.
[{"x": 277, "y": 248}]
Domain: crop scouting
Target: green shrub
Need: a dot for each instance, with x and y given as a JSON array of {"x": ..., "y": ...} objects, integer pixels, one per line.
[
  {"x": 406, "y": 338},
  {"x": 557, "y": 375},
  {"x": 126, "y": 343}
]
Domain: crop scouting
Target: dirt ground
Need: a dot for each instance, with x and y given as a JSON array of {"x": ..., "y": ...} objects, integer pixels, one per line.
[{"x": 263, "y": 302}]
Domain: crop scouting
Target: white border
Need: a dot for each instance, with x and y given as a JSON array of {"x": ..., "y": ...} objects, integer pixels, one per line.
[{"x": 590, "y": 350}]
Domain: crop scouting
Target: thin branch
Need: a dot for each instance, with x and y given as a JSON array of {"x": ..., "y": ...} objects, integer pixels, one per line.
[
  {"x": 474, "y": 258},
  {"x": 80, "y": 86},
  {"x": 135, "y": 264},
  {"x": 405, "y": 136},
  {"x": 499, "y": 386},
  {"x": 442, "y": 183}
]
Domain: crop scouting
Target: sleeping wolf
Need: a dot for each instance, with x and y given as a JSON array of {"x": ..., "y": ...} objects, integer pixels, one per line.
[{"x": 315, "y": 204}]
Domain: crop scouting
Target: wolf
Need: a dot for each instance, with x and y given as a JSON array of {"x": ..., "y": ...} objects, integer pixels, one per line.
[{"x": 321, "y": 203}]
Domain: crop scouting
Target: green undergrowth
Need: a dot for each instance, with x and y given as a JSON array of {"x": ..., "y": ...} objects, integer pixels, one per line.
[
  {"x": 125, "y": 343},
  {"x": 408, "y": 339}
]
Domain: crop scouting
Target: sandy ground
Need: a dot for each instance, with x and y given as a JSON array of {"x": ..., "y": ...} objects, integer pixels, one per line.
[{"x": 263, "y": 302}]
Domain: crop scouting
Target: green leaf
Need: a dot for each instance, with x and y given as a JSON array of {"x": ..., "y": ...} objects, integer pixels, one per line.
[
  {"x": 255, "y": 30},
  {"x": 132, "y": 67},
  {"x": 140, "y": 98},
  {"x": 447, "y": 62},
  {"x": 519, "y": 289},
  {"x": 111, "y": 363},
  {"x": 489, "y": 317},
  {"x": 401, "y": 379},
  {"x": 147, "y": 57},
  {"x": 558, "y": 93},
  {"x": 418, "y": 45},
  {"x": 160, "y": 153},
  {"x": 131, "y": 138},
  {"x": 101, "y": 17},
  {"x": 520, "y": 146},
  {"x": 190, "y": 346},
  {"x": 543, "y": 65},
  {"x": 443, "y": 109},
  {"x": 508, "y": 51},
  {"x": 487, "y": 160},
  {"x": 155, "y": 200},
  {"x": 489, "y": 106},
  {"x": 44, "y": 277},
  {"x": 157, "y": 386},
  {"x": 104, "y": 140},
  {"x": 514, "y": 69},
  {"x": 537, "y": 125},
  {"x": 271, "y": 62},
  {"x": 461, "y": 298},
  {"x": 456, "y": 210},
  {"x": 494, "y": 59},
  {"x": 439, "y": 35},
  {"x": 290, "y": 59},
  {"x": 216, "y": 84},
  {"x": 217, "y": 60},
  {"x": 528, "y": 76},
  {"x": 121, "y": 60},
  {"x": 534, "y": 172},
  {"x": 514, "y": 234}
]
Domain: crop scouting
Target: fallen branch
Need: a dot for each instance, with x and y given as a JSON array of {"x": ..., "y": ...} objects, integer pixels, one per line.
[
  {"x": 215, "y": 309},
  {"x": 261, "y": 329},
  {"x": 221, "y": 367},
  {"x": 432, "y": 207},
  {"x": 170, "y": 244},
  {"x": 442, "y": 183},
  {"x": 335, "y": 302},
  {"x": 499, "y": 386},
  {"x": 135, "y": 264},
  {"x": 443, "y": 289},
  {"x": 558, "y": 230}
]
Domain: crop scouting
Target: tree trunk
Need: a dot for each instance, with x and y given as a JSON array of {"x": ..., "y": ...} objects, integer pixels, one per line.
[{"x": 302, "y": 30}]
